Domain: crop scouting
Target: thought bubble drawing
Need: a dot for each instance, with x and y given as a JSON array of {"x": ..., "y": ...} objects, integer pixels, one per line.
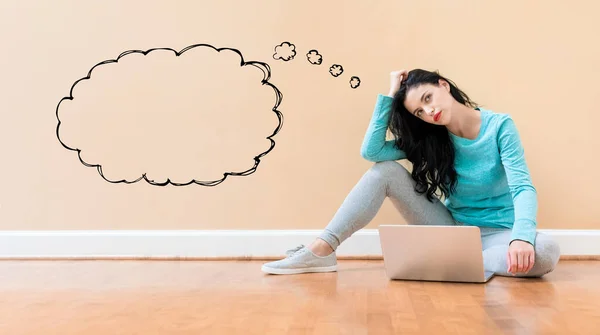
[
  {"x": 168, "y": 117},
  {"x": 354, "y": 82},
  {"x": 336, "y": 70},
  {"x": 285, "y": 51},
  {"x": 314, "y": 57}
]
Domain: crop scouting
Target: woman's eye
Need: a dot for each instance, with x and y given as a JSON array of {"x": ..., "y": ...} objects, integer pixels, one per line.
[
  {"x": 419, "y": 113},
  {"x": 427, "y": 97}
]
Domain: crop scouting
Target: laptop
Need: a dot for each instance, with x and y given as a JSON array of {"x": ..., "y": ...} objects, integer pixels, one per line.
[{"x": 433, "y": 253}]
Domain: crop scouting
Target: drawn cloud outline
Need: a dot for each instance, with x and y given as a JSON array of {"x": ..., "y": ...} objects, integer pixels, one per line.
[
  {"x": 336, "y": 67},
  {"x": 314, "y": 53},
  {"x": 264, "y": 67},
  {"x": 289, "y": 48}
]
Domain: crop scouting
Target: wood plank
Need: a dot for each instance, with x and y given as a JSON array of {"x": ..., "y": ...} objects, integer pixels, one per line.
[{"x": 234, "y": 297}]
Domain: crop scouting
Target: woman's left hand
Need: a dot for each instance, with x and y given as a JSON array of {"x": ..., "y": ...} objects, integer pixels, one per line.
[{"x": 520, "y": 258}]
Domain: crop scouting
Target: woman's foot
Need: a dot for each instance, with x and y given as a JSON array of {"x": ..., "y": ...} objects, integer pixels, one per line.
[{"x": 303, "y": 260}]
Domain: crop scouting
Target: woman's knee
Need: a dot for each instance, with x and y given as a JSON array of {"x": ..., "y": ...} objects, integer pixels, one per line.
[
  {"x": 387, "y": 169},
  {"x": 547, "y": 254}
]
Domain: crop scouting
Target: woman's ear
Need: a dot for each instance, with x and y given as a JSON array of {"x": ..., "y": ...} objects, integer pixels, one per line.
[{"x": 444, "y": 84}]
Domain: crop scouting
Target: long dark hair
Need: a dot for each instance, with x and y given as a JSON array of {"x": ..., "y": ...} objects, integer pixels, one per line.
[{"x": 428, "y": 147}]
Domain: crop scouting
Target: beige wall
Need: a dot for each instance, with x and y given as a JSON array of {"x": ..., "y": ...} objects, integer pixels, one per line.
[{"x": 536, "y": 61}]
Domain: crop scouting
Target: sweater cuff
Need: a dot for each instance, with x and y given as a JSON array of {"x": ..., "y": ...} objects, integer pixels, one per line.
[{"x": 524, "y": 230}]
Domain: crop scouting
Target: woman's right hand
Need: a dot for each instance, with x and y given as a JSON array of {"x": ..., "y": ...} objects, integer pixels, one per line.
[{"x": 396, "y": 79}]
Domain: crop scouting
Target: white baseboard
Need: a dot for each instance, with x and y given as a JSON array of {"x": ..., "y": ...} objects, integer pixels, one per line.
[{"x": 218, "y": 243}]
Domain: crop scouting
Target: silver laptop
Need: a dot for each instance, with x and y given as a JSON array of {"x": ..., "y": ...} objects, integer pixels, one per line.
[{"x": 433, "y": 253}]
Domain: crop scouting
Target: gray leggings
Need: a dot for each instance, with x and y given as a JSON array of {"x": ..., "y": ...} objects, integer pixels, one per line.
[{"x": 390, "y": 179}]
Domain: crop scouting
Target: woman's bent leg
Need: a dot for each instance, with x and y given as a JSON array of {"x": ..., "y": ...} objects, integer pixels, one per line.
[
  {"x": 384, "y": 179},
  {"x": 496, "y": 242}
]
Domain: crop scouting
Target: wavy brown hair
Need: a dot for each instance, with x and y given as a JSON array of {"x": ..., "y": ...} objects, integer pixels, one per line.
[{"x": 428, "y": 147}]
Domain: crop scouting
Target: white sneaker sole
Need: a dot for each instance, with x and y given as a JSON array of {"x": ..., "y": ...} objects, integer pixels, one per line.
[{"x": 276, "y": 271}]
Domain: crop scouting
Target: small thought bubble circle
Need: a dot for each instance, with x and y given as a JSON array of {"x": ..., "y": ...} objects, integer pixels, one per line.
[
  {"x": 354, "y": 82},
  {"x": 314, "y": 57},
  {"x": 336, "y": 70},
  {"x": 286, "y": 51}
]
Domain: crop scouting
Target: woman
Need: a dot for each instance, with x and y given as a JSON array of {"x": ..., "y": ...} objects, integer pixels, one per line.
[{"x": 471, "y": 155}]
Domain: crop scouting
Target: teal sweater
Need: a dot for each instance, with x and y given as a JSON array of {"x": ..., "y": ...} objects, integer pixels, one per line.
[{"x": 494, "y": 187}]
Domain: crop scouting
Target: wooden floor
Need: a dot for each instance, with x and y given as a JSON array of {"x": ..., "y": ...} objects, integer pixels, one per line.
[{"x": 185, "y": 297}]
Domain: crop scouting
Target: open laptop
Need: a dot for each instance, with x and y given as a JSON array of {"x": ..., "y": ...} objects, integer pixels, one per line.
[{"x": 433, "y": 253}]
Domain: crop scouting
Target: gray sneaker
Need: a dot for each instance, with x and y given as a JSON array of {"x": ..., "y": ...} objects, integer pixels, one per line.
[{"x": 301, "y": 260}]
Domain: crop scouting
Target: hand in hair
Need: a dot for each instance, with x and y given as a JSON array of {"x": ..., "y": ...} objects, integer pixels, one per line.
[{"x": 396, "y": 79}]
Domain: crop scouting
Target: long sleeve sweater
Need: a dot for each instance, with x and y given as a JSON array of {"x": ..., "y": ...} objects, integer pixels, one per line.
[{"x": 494, "y": 186}]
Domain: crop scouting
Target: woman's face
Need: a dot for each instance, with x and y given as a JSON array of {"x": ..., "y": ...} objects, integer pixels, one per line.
[{"x": 430, "y": 103}]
